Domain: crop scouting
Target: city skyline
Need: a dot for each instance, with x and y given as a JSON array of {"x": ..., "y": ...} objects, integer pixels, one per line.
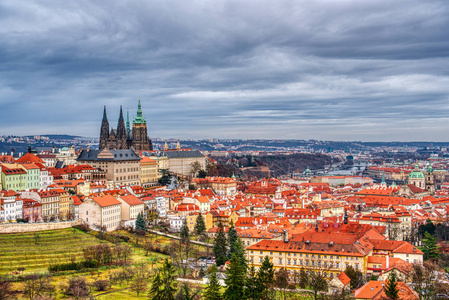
[{"x": 325, "y": 70}]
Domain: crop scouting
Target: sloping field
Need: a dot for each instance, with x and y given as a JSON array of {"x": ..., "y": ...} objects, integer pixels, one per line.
[{"x": 36, "y": 251}]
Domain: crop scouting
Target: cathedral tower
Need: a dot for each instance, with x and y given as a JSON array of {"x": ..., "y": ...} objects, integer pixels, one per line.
[
  {"x": 104, "y": 132},
  {"x": 140, "y": 133},
  {"x": 121, "y": 131}
]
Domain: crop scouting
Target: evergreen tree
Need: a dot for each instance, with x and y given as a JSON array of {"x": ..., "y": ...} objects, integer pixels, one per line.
[
  {"x": 212, "y": 290},
  {"x": 156, "y": 283},
  {"x": 355, "y": 276},
  {"x": 184, "y": 247},
  {"x": 200, "y": 226},
  {"x": 390, "y": 288},
  {"x": 232, "y": 238},
  {"x": 430, "y": 247},
  {"x": 140, "y": 223},
  {"x": 252, "y": 289},
  {"x": 220, "y": 246},
  {"x": 184, "y": 234},
  {"x": 164, "y": 284},
  {"x": 235, "y": 278},
  {"x": 266, "y": 279},
  {"x": 239, "y": 251}
]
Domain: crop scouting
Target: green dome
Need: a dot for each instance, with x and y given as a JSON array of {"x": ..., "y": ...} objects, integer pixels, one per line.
[
  {"x": 416, "y": 172},
  {"x": 429, "y": 169}
]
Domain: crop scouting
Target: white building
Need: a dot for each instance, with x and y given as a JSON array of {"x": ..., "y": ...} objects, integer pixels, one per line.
[
  {"x": 11, "y": 206},
  {"x": 101, "y": 211}
]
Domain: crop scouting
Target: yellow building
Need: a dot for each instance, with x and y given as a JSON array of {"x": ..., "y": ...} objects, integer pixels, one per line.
[
  {"x": 148, "y": 172},
  {"x": 213, "y": 217},
  {"x": 66, "y": 208}
]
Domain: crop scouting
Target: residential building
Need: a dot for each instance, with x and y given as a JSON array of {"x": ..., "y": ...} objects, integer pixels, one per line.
[
  {"x": 101, "y": 212},
  {"x": 130, "y": 208},
  {"x": 148, "y": 172}
]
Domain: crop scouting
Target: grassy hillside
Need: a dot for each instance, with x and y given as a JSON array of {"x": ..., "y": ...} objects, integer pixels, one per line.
[{"x": 36, "y": 254}]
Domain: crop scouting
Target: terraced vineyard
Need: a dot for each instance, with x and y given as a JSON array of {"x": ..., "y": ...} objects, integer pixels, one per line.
[{"x": 36, "y": 254}]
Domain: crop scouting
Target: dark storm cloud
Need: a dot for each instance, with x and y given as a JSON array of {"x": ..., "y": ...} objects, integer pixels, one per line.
[{"x": 355, "y": 70}]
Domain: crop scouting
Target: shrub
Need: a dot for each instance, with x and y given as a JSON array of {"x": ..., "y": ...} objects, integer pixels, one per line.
[{"x": 102, "y": 285}]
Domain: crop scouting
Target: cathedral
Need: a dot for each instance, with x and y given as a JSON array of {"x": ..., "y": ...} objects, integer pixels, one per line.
[{"x": 124, "y": 137}]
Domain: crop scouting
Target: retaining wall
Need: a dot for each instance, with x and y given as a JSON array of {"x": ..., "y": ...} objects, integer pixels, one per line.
[{"x": 29, "y": 227}]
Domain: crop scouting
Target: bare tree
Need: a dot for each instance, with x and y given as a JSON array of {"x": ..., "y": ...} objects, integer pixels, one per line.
[
  {"x": 5, "y": 289},
  {"x": 37, "y": 285}
]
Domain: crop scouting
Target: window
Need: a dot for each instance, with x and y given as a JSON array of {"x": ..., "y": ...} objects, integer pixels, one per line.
[
  {"x": 260, "y": 260},
  {"x": 280, "y": 261}
]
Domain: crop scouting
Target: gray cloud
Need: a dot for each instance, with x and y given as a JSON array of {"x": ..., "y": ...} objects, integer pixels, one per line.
[{"x": 339, "y": 70}]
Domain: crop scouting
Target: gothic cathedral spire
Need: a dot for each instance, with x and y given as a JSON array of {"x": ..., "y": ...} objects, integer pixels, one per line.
[{"x": 104, "y": 132}]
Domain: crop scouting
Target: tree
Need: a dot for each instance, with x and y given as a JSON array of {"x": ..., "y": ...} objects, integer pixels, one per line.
[
  {"x": 37, "y": 285},
  {"x": 303, "y": 279},
  {"x": 390, "y": 288},
  {"x": 77, "y": 287},
  {"x": 220, "y": 246},
  {"x": 186, "y": 293},
  {"x": 195, "y": 168},
  {"x": 317, "y": 281},
  {"x": 265, "y": 277},
  {"x": 281, "y": 281},
  {"x": 430, "y": 247},
  {"x": 165, "y": 177},
  {"x": 202, "y": 174},
  {"x": 235, "y": 277},
  {"x": 200, "y": 226},
  {"x": 355, "y": 276},
  {"x": 212, "y": 290},
  {"x": 252, "y": 289},
  {"x": 5, "y": 289},
  {"x": 184, "y": 247},
  {"x": 164, "y": 284},
  {"x": 140, "y": 281},
  {"x": 424, "y": 279},
  {"x": 429, "y": 227},
  {"x": 140, "y": 223},
  {"x": 232, "y": 238}
]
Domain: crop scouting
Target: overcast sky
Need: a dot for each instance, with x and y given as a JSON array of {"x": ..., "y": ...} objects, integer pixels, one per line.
[{"x": 335, "y": 70}]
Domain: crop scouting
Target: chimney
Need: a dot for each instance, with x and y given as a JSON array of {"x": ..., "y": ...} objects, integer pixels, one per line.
[
  {"x": 388, "y": 261},
  {"x": 285, "y": 236}
]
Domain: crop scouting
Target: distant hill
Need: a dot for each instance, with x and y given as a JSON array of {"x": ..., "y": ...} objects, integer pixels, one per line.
[{"x": 57, "y": 136}]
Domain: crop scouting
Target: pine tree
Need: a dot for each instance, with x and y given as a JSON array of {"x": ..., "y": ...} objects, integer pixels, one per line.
[
  {"x": 220, "y": 246},
  {"x": 184, "y": 247},
  {"x": 156, "y": 283},
  {"x": 390, "y": 288},
  {"x": 140, "y": 223},
  {"x": 266, "y": 279},
  {"x": 200, "y": 226},
  {"x": 235, "y": 278},
  {"x": 212, "y": 290},
  {"x": 232, "y": 238},
  {"x": 252, "y": 290},
  {"x": 239, "y": 251},
  {"x": 164, "y": 284},
  {"x": 430, "y": 247}
]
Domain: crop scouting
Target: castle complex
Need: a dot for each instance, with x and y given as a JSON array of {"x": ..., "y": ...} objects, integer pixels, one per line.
[{"x": 124, "y": 137}]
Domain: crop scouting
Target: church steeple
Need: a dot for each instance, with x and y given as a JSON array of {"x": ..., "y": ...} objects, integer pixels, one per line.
[
  {"x": 139, "y": 118},
  {"x": 127, "y": 122},
  {"x": 121, "y": 131},
  {"x": 104, "y": 132}
]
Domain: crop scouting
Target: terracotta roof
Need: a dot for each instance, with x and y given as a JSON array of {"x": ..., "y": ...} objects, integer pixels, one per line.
[
  {"x": 106, "y": 200},
  {"x": 344, "y": 278},
  {"x": 131, "y": 200},
  {"x": 374, "y": 290}
]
